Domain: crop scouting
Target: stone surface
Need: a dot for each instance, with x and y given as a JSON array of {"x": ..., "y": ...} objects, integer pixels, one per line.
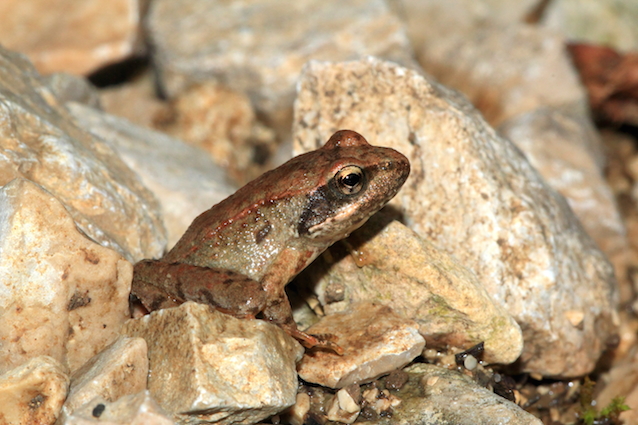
[
  {"x": 259, "y": 47},
  {"x": 182, "y": 177},
  {"x": 375, "y": 339},
  {"x": 40, "y": 141},
  {"x": 608, "y": 22},
  {"x": 425, "y": 284},
  {"x": 71, "y": 88},
  {"x": 622, "y": 380},
  {"x": 475, "y": 195},
  {"x": 562, "y": 145},
  {"x": 61, "y": 294},
  {"x": 222, "y": 122},
  {"x": 438, "y": 396},
  {"x": 71, "y": 37},
  {"x": 33, "y": 393},
  {"x": 118, "y": 370},
  {"x": 506, "y": 71},
  {"x": 208, "y": 366},
  {"x": 134, "y": 409}
]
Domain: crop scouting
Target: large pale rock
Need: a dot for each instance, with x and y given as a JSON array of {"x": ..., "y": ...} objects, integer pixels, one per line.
[
  {"x": 446, "y": 397},
  {"x": 134, "y": 409},
  {"x": 184, "y": 178},
  {"x": 65, "y": 35},
  {"x": 424, "y": 283},
  {"x": 375, "y": 341},
  {"x": 33, "y": 393},
  {"x": 120, "y": 369},
  {"x": 562, "y": 145},
  {"x": 208, "y": 366},
  {"x": 40, "y": 141},
  {"x": 475, "y": 195},
  {"x": 259, "y": 47},
  {"x": 61, "y": 294},
  {"x": 506, "y": 70},
  {"x": 608, "y": 22}
]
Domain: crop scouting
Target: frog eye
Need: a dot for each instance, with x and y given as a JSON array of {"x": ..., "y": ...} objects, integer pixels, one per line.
[{"x": 349, "y": 179}]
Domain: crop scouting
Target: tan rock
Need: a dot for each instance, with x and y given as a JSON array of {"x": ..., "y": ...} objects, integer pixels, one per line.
[
  {"x": 222, "y": 122},
  {"x": 66, "y": 36},
  {"x": 61, "y": 294},
  {"x": 342, "y": 408},
  {"x": 40, "y": 141},
  {"x": 120, "y": 369},
  {"x": 72, "y": 88},
  {"x": 506, "y": 70},
  {"x": 375, "y": 339},
  {"x": 563, "y": 146},
  {"x": 475, "y": 195},
  {"x": 259, "y": 47},
  {"x": 423, "y": 283},
  {"x": 33, "y": 392},
  {"x": 134, "y": 409},
  {"x": 184, "y": 178},
  {"x": 208, "y": 366},
  {"x": 611, "y": 22}
]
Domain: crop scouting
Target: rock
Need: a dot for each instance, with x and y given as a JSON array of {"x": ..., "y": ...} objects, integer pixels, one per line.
[
  {"x": 62, "y": 295},
  {"x": 222, "y": 122},
  {"x": 474, "y": 194},
  {"x": 562, "y": 145},
  {"x": 137, "y": 101},
  {"x": 506, "y": 71},
  {"x": 208, "y": 366},
  {"x": 449, "y": 303},
  {"x": 438, "y": 396},
  {"x": 342, "y": 408},
  {"x": 69, "y": 38},
  {"x": 259, "y": 47},
  {"x": 41, "y": 142},
  {"x": 33, "y": 392},
  {"x": 611, "y": 23},
  {"x": 71, "y": 88},
  {"x": 622, "y": 380},
  {"x": 375, "y": 339},
  {"x": 184, "y": 191},
  {"x": 118, "y": 370},
  {"x": 134, "y": 409}
]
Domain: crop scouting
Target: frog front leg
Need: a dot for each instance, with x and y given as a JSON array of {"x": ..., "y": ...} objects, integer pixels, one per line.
[{"x": 158, "y": 285}]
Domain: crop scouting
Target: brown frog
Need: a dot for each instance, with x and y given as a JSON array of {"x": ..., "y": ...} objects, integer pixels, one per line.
[{"x": 239, "y": 255}]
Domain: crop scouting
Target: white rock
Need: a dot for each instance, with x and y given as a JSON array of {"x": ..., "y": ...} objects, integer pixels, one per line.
[
  {"x": 375, "y": 340},
  {"x": 61, "y": 294},
  {"x": 120, "y": 369},
  {"x": 134, "y": 409},
  {"x": 40, "y": 141},
  {"x": 208, "y": 366},
  {"x": 33, "y": 392},
  {"x": 184, "y": 178},
  {"x": 475, "y": 195}
]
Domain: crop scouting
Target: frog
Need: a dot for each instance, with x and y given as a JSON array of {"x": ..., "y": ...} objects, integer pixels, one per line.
[{"x": 239, "y": 255}]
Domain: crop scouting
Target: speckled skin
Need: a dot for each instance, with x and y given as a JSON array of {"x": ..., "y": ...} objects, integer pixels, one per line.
[{"x": 240, "y": 254}]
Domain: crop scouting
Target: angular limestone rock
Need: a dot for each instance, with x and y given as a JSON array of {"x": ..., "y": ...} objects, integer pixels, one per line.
[
  {"x": 375, "y": 339},
  {"x": 70, "y": 37},
  {"x": 40, "y": 141},
  {"x": 387, "y": 263},
  {"x": 438, "y": 396},
  {"x": 118, "y": 370},
  {"x": 208, "y": 366},
  {"x": 61, "y": 294},
  {"x": 259, "y": 47},
  {"x": 184, "y": 178},
  {"x": 134, "y": 409},
  {"x": 475, "y": 195},
  {"x": 33, "y": 393}
]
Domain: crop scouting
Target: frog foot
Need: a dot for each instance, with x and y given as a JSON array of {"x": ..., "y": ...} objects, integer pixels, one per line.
[{"x": 319, "y": 341}]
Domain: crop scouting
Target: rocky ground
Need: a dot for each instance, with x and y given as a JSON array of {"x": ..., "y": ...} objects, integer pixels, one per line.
[{"x": 499, "y": 286}]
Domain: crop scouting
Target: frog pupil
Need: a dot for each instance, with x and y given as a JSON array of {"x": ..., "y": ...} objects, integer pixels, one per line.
[{"x": 351, "y": 179}]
